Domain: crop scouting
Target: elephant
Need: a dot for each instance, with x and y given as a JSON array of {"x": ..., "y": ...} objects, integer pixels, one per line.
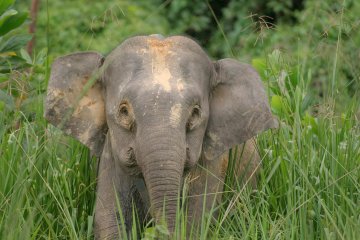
[{"x": 156, "y": 111}]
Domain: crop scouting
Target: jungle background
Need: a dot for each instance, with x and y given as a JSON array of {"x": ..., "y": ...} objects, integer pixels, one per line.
[{"x": 307, "y": 53}]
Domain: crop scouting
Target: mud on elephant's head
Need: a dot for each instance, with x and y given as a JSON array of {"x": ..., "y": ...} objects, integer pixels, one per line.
[{"x": 155, "y": 106}]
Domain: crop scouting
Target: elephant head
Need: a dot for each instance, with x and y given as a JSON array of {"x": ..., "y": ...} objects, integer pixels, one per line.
[{"x": 155, "y": 106}]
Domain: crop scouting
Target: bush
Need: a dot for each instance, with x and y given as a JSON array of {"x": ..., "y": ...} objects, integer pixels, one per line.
[{"x": 10, "y": 19}]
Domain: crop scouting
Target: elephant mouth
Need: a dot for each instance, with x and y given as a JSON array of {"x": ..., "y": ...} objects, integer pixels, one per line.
[{"x": 189, "y": 163}]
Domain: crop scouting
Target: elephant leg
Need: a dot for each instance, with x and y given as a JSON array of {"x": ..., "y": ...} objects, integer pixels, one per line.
[
  {"x": 115, "y": 197},
  {"x": 245, "y": 164},
  {"x": 206, "y": 181}
]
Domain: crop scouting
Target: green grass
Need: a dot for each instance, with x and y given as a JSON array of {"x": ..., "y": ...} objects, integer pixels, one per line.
[{"x": 309, "y": 186}]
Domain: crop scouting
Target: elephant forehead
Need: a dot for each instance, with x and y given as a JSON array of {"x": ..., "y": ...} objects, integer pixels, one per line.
[
  {"x": 161, "y": 77},
  {"x": 160, "y": 47},
  {"x": 159, "y": 53},
  {"x": 148, "y": 64}
]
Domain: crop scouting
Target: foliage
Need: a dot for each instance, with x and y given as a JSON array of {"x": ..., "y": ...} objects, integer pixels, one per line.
[
  {"x": 11, "y": 19},
  {"x": 13, "y": 93},
  {"x": 242, "y": 29},
  {"x": 101, "y": 25}
]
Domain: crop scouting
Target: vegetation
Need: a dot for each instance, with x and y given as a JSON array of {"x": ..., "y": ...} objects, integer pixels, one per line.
[{"x": 308, "y": 58}]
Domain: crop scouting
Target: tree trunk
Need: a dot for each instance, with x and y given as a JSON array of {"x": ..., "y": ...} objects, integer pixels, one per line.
[{"x": 32, "y": 27}]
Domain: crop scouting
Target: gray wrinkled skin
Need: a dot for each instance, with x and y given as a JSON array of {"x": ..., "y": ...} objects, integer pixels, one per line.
[{"x": 157, "y": 111}]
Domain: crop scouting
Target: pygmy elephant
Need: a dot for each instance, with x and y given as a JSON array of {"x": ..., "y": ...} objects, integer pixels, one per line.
[{"x": 156, "y": 110}]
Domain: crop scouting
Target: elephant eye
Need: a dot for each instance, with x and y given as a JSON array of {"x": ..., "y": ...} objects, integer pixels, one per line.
[
  {"x": 194, "y": 118},
  {"x": 123, "y": 110},
  {"x": 125, "y": 116},
  {"x": 195, "y": 112}
]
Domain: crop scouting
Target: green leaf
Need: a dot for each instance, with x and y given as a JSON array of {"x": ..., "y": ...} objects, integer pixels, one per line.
[
  {"x": 41, "y": 56},
  {"x": 3, "y": 77},
  {"x": 5, "y": 4},
  {"x": 25, "y": 55},
  {"x": 150, "y": 233},
  {"x": 275, "y": 56},
  {"x": 11, "y": 63},
  {"x": 13, "y": 22},
  {"x": 7, "y": 100},
  {"x": 275, "y": 60},
  {"x": 7, "y": 15},
  {"x": 2, "y": 106},
  {"x": 306, "y": 102},
  {"x": 294, "y": 76},
  {"x": 15, "y": 43},
  {"x": 162, "y": 230},
  {"x": 310, "y": 121},
  {"x": 277, "y": 104},
  {"x": 260, "y": 65}
]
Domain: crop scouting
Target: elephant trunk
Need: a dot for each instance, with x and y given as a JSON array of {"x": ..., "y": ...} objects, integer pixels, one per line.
[{"x": 162, "y": 166}]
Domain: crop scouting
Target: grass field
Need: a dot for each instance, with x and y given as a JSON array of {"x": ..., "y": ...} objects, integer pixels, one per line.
[{"x": 309, "y": 186}]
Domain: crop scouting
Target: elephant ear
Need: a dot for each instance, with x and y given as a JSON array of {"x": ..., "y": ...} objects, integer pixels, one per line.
[
  {"x": 74, "y": 100},
  {"x": 239, "y": 107}
]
